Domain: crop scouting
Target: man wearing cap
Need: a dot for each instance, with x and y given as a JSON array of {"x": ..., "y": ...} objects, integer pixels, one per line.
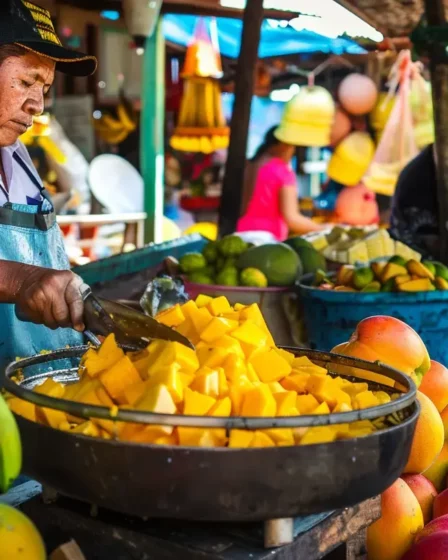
[{"x": 34, "y": 269}]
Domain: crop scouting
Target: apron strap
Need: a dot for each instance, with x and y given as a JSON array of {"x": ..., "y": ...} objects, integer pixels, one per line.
[
  {"x": 32, "y": 178},
  {"x": 41, "y": 220}
]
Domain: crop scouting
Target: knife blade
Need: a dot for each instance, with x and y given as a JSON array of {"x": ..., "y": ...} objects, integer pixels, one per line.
[{"x": 104, "y": 317}]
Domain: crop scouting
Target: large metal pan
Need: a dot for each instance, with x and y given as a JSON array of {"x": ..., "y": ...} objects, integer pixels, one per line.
[{"x": 215, "y": 484}]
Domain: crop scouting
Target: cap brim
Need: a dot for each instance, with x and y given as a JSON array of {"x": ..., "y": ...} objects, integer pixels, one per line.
[{"x": 67, "y": 61}]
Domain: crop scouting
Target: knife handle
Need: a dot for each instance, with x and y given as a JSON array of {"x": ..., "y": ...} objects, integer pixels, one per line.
[{"x": 85, "y": 290}]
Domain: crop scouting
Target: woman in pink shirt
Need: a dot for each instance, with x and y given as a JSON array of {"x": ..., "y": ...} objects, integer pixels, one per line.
[{"x": 270, "y": 202}]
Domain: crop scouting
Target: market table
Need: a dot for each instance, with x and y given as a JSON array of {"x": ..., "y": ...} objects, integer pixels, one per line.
[
  {"x": 337, "y": 535},
  {"x": 134, "y": 225}
]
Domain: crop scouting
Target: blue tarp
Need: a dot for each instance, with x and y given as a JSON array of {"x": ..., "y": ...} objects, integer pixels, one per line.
[{"x": 179, "y": 29}]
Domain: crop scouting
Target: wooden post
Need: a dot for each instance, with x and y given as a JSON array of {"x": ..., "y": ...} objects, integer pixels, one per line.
[
  {"x": 152, "y": 133},
  {"x": 244, "y": 85},
  {"x": 435, "y": 14}
]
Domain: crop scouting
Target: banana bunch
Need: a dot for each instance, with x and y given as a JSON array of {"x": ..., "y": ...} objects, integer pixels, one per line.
[
  {"x": 202, "y": 126},
  {"x": 114, "y": 130},
  {"x": 203, "y": 144},
  {"x": 10, "y": 448},
  {"x": 201, "y": 105}
]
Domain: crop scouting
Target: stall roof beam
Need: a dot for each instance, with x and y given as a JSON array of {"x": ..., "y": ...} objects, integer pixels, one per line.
[
  {"x": 244, "y": 86},
  {"x": 195, "y": 7}
]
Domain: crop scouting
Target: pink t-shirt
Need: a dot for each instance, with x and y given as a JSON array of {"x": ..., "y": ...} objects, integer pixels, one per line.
[{"x": 263, "y": 212}]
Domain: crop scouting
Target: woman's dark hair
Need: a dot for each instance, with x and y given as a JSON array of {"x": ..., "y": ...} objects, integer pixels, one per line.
[
  {"x": 268, "y": 141},
  {"x": 6, "y": 51}
]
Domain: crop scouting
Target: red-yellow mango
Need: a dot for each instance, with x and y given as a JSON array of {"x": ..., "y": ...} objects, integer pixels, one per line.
[
  {"x": 401, "y": 519},
  {"x": 434, "y": 526},
  {"x": 438, "y": 471},
  {"x": 425, "y": 492},
  {"x": 389, "y": 340},
  {"x": 441, "y": 504},
  {"x": 428, "y": 439},
  {"x": 434, "y": 547},
  {"x": 435, "y": 385}
]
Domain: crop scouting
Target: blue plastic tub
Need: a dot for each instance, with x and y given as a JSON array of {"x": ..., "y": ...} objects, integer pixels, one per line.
[{"x": 331, "y": 317}]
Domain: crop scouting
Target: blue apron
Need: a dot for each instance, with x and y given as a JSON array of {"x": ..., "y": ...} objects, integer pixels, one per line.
[{"x": 29, "y": 234}]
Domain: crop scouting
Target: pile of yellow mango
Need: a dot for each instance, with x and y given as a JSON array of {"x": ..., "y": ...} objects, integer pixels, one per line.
[{"x": 235, "y": 370}]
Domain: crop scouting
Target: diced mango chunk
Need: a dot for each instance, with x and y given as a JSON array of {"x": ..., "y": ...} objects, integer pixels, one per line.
[
  {"x": 230, "y": 344},
  {"x": 51, "y": 417},
  {"x": 157, "y": 399},
  {"x": 217, "y": 328},
  {"x": 201, "y": 319},
  {"x": 206, "y": 382},
  {"x": 270, "y": 366},
  {"x": 197, "y": 404},
  {"x": 96, "y": 361},
  {"x": 203, "y": 301},
  {"x": 240, "y": 438},
  {"x": 296, "y": 382},
  {"x": 320, "y": 434},
  {"x": 118, "y": 377},
  {"x": 285, "y": 401},
  {"x": 306, "y": 404},
  {"x": 261, "y": 439},
  {"x": 223, "y": 407},
  {"x": 259, "y": 402},
  {"x": 218, "y": 306},
  {"x": 174, "y": 352},
  {"x": 234, "y": 367},
  {"x": 275, "y": 387},
  {"x": 51, "y": 388},
  {"x": 249, "y": 333},
  {"x": 212, "y": 357},
  {"x": 366, "y": 399},
  {"x": 172, "y": 317}
]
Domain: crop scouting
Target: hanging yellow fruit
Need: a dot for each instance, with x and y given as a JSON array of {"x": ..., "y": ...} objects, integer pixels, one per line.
[{"x": 201, "y": 115}]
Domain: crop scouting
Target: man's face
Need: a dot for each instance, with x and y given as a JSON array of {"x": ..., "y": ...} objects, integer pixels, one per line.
[{"x": 23, "y": 83}]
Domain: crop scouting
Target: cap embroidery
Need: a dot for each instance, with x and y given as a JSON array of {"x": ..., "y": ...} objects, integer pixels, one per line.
[{"x": 43, "y": 21}]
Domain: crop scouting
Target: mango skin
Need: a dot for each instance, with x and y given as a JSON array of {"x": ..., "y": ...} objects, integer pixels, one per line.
[
  {"x": 438, "y": 471},
  {"x": 435, "y": 385},
  {"x": 433, "y": 547},
  {"x": 428, "y": 438},
  {"x": 391, "y": 341},
  {"x": 393, "y": 534}
]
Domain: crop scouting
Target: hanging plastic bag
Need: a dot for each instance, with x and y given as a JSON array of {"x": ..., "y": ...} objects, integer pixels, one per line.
[
  {"x": 421, "y": 107},
  {"x": 397, "y": 145}
]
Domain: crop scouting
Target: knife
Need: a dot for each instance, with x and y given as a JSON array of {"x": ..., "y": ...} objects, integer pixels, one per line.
[{"x": 103, "y": 317}]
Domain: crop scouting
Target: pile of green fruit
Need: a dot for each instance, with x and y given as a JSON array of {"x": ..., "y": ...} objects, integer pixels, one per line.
[
  {"x": 233, "y": 262},
  {"x": 395, "y": 275}
]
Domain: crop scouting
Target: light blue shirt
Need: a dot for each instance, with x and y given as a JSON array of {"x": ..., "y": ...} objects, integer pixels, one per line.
[{"x": 20, "y": 189}]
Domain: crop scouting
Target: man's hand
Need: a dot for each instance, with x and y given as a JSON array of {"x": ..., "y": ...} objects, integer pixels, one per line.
[{"x": 51, "y": 298}]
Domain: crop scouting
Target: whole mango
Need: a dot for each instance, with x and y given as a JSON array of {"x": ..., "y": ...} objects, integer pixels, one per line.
[
  {"x": 252, "y": 277},
  {"x": 227, "y": 277},
  {"x": 433, "y": 547},
  {"x": 210, "y": 252},
  {"x": 232, "y": 246},
  {"x": 192, "y": 262},
  {"x": 428, "y": 439},
  {"x": 389, "y": 340},
  {"x": 19, "y": 538},
  {"x": 401, "y": 519}
]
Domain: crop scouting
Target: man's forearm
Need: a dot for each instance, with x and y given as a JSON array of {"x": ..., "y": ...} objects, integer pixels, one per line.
[{"x": 12, "y": 275}]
